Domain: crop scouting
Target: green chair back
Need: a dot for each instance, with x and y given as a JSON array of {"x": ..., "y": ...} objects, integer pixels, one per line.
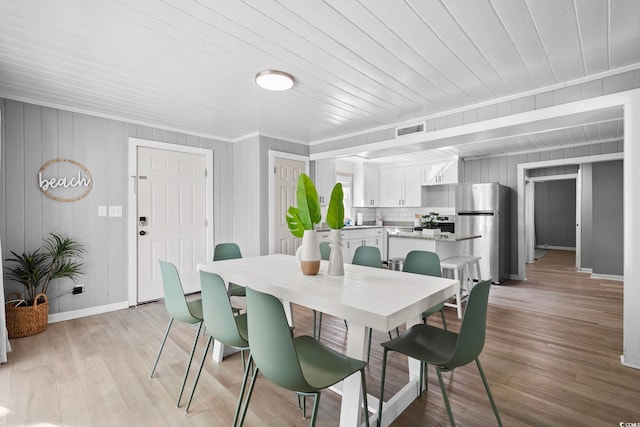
[
  {"x": 218, "y": 315},
  {"x": 224, "y": 251},
  {"x": 368, "y": 256},
  {"x": 272, "y": 346},
  {"x": 472, "y": 331},
  {"x": 422, "y": 262},
  {"x": 325, "y": 250},
  {"x": 174, "y": 299}
]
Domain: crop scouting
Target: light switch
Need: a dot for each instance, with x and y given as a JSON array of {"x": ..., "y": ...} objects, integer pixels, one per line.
[
  {"x": 115, "y": 211},
  {"x": 102, "y": 211}
]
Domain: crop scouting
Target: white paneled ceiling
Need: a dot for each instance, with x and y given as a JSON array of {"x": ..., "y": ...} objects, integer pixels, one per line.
[{"x": 189, "y": 65}]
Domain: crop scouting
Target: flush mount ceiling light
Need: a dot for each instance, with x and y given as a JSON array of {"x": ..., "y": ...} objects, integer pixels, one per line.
[{"x": 274, "y": 80}]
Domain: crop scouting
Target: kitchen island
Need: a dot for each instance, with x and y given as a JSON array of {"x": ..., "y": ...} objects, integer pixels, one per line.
[{"x": 445, "y": 245}]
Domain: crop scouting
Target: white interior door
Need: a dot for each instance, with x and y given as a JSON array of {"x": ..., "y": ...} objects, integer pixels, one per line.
[
  {"x": 286, "y": 173},
  {"x": 171, "y": 206}
]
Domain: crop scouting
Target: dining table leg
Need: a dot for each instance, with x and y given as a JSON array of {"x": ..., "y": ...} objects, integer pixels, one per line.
[{"x": 350, "y": 412}]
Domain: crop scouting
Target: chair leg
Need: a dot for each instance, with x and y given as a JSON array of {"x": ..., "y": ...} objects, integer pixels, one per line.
[
  {"x": 186, "y": 371},
  {"x": 166, "y": 334},
  {"x": 382, "y": 375},
  {"x": 445, "y": 397},
  {"x": 365, "y": 402},
  {"x": 486, "y": 386},
  {"x": 246, "y": 403},
  {"x": 245, "y": 376},
  {"x": 369, "y": 349},
  {"x": 444, "y": 321},
  {"x": 195, "y": 383},
  {"x": 316, "y": 404}
]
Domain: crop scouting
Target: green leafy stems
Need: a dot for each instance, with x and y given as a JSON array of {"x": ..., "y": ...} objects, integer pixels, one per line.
[
  {"x": 307, "y": 213},
  {"x": 335, "y": 212}
]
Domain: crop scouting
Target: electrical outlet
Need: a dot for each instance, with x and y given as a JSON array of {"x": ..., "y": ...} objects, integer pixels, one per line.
[{"x": 78, "y": 289}]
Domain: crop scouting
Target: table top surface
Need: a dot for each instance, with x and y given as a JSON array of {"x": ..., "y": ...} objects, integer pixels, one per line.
[{"x": 379, "y": 298}]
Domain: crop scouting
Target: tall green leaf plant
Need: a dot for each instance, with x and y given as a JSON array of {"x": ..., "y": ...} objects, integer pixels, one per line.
[
  {"x": 335, "y": 212},
  {"x": 307, "y": 214},
  {"x": 59, "y": 257}
]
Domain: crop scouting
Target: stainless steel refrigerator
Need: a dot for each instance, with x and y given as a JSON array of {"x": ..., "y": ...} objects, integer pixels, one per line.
[{"x": 484, "y": 209}]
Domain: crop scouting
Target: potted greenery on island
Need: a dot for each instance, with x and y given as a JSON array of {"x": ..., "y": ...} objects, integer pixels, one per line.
[{"x": 57, "y": 258}]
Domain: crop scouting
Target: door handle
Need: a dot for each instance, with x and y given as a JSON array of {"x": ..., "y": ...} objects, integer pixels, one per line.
[{"x": 142, "y": 232}]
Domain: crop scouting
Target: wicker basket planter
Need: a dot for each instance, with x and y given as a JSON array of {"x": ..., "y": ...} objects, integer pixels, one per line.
[{"x": 26, "y": 320}]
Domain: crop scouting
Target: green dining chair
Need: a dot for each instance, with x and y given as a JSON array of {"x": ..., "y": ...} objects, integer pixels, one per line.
[
  {"x": 301, "y": 364},
  {"x": 223, "y": 325},
  {"x": 187, "y": 312},
  {"x": 325, "y": 250},
  {"x": 224, "y": 251},
  {"x": 427, "y": 263},
  {"x": 444, "y": 349},
  {"x": 368, "y": 256}
]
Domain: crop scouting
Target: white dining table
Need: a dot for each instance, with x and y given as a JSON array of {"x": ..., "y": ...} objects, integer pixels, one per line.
[{"x": 364, "y": 296}]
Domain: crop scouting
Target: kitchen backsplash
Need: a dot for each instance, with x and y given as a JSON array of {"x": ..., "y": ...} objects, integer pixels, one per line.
[{"x": 397, "y": 215}]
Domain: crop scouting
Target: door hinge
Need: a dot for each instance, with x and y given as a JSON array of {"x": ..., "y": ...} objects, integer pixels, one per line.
[
  {"x": 274, "y": 170},
  {"x": 205, "y": 172}
]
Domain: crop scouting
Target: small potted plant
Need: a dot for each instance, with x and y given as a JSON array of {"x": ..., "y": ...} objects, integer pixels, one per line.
[
  {"x": 335, "y": 221},
  {"x": 301, "y": 221},
  {"x": 57, "y": 258},
  {"x": 429, "y": 222}
]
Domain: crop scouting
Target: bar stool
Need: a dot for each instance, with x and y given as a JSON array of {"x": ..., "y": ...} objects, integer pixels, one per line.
[
  {"x": 473, "y": 270},
  {"x": 458, "y": 266}
]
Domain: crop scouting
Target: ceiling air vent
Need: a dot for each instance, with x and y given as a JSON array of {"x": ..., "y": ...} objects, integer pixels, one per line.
[{"x": 409, "y": 130}]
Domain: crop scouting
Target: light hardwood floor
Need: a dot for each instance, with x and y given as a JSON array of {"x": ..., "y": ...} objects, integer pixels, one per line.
[{"x": 552, "y": 358}]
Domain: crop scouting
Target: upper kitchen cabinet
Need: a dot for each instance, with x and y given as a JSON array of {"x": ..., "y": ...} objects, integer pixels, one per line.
[
  {"x": 447, "y": 172},
  {"x": 400, "y": 186},
  {"x": 366, "y": 181},
  {"x": 325, "y": 179}
]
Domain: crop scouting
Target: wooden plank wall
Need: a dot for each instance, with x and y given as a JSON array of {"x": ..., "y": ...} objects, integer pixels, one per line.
[{"x": 33, "y": 135}]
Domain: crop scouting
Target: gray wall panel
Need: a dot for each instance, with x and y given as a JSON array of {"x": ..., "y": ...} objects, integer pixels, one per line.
[
  {"x": 586, "y": 220},
  {"x": 608, "y": 231},
  {"x": 555, "y": 213},
  {"x": 33, "y": 135},
  {"x": 475, "y": 171}
]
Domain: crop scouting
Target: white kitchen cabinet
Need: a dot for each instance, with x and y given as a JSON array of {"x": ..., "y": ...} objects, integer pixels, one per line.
[
  {"x": 353, "y": 238},
  {"x": 400, "y": 186},
  {"x": 371, "y": 185},
  {"x": 366, "y": 185},
  {"x": 325, "y": 180},
  {"x": 438, "y": 173}
]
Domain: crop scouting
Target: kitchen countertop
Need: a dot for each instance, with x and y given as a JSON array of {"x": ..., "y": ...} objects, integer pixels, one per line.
[
  {"x": 444, "y": 237},
  {"x": 350, "y": 227}
]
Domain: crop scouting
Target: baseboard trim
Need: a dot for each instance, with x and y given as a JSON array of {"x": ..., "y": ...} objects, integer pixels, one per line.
[
  {"x": 607, "y": 277},
  {"x": 628, "y": 364},
  {"x": 556, "y": 248},
  {"x": 84, "y": 312},
  {"x": 585, "y": 270}
]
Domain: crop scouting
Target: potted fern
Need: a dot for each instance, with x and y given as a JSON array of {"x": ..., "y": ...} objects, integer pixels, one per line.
[
  {"x": 58, "y": 258},
  {"x": 335, "y": 221},
  {"x": 301, "y": 221}
]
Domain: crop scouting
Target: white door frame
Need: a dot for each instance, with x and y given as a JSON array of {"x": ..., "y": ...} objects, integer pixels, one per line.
[
  {"x": 282, "y": 155},
  {"x": 531, "y": 219},
  {"x": 132, "y": 214}
]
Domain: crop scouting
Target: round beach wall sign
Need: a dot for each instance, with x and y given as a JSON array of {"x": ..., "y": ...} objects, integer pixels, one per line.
[{"x": 64, "y": 180}]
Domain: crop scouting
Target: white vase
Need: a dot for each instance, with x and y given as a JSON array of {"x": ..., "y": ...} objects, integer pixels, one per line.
[
  {"x": 336, "y": 264},
  {"x": 308, "y": 253}
]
